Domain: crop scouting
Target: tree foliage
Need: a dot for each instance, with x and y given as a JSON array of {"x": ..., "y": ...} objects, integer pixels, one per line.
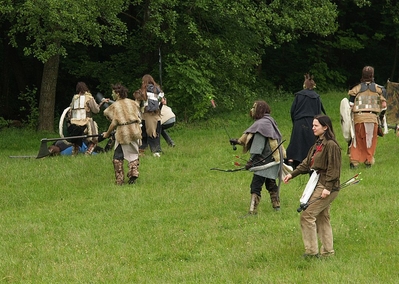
[
  {"x": 210, "y": 49},
  {"x": 220, "y": 43},
  {"x": 47, "y": 25},
  {"x": 366, "y": 35},
  {"x": 229, "y": 51}
]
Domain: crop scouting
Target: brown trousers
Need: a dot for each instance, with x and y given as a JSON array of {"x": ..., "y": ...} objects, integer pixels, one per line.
[{"x": 315, "y": 222}]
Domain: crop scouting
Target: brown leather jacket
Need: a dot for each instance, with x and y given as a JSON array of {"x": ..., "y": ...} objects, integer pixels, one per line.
[{"x": 327, "y": 162}]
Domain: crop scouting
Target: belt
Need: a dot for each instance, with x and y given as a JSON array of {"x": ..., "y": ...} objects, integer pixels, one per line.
[
  {"x": 127, "y": 123},
  {"x": 360, "y": 112}
]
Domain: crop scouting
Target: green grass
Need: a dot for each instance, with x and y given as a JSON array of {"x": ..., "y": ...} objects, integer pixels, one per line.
[{"x": 64, "y": 221}]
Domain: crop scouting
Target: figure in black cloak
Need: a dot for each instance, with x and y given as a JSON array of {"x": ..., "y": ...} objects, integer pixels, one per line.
[{"x": 306, "y": 105}]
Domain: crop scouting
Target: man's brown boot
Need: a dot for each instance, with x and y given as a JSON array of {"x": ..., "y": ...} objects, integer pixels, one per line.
[
  {"x": 119, "y": 174},
  {"x": 275, "y": 199},
  {"x": 133, "y": 173}
]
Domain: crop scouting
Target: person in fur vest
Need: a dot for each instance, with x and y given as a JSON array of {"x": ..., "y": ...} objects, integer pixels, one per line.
[
  {"x": 261, "y": 139},
  {"x": 125, "y": 117},
  {"x": 148, "y": 97}
]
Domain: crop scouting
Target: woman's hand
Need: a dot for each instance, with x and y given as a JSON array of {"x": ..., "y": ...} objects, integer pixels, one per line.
[
  {"x": 325, "y": 193},
  {"x": 287, "y": 178}
]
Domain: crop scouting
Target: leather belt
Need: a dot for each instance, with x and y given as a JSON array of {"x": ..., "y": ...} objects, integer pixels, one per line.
[{"x": 127, "y": 123}]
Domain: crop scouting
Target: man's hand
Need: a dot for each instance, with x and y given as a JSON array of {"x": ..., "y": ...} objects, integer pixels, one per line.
[
  {"x": 102, "y": 136},
  {"x": 103, "y": 101},
  {"x": 249, "y": 165},
  {"x": 234, "y": 141}
]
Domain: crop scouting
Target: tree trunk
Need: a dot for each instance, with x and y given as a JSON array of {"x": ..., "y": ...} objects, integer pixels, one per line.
[{"x": 47, "y": 94}]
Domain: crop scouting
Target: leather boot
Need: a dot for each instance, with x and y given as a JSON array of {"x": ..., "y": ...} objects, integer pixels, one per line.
[
  {"x": 275, "y": 199},
  {"x": 119, "y": 174},
  {"x": 133, "y": 173},
  {"x": 253, "y": 207},
  {"x": 90, "y": 149},
  {"x": 75, "y": 149}
]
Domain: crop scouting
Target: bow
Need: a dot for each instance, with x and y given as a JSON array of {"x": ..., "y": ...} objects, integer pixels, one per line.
[
  {"x": 353, "y": 180},
  {"x": 236, "y": 163},
  {"x": 228, "y": 170},
  {"x": 255, "y": 164}
]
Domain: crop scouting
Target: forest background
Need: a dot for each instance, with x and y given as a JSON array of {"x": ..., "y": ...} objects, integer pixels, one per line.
[{"x": 229, "y": 51}]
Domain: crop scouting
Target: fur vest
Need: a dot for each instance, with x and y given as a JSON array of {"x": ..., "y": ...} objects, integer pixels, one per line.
[{"x": 124, "y": 115}]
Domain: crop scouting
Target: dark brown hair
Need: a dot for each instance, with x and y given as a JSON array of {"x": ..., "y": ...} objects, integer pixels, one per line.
[
  {"x": 261, "y": 108},
  {"x": 367, "y": 74},
  {"x": 121, "y": 90},
  {"x": 324, "y": 120},
  {"x": 81, "y": 88},
  {"x": 138, "y": 95}
]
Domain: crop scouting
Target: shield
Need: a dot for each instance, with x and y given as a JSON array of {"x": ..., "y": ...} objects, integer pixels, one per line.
[
  {"x": 392, "y": 97},
  {"x": 346, "y": 120},
  {"x": 62, "y": 126},
  {"x": 100, "y": 98}
]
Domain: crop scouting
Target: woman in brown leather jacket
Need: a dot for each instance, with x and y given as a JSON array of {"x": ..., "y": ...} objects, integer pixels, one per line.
[{"x": 325, "y": 159}]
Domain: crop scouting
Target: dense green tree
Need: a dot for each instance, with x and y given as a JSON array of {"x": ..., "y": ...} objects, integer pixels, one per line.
[
  {"x": 224, "y": 50},
  {"x": 210, "y": 49},
  {"x": 367, "y": 35},
  {"x": 48, "y": 25},
  {"x": 224, "y": 44},
  {"x": 390, "y": 22}
]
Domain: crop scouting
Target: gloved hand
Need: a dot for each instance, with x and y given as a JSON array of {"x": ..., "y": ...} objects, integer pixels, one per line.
[
  {"x": 234, "y": 141},
  {"x": 249, "y": 165},
  {"x": 101, "y": 137}
]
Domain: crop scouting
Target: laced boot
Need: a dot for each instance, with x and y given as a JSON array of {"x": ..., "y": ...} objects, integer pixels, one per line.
[
  {"x": 90, "y": 149},
  {"x": 133, "y": 173},
  {"x": 275, "y": 199},
  {"x": 253, "y": 207},
  {"x": 119, "y": 174}
]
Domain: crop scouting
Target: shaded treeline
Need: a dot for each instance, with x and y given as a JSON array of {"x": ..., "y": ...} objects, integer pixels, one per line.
[{"x": 231, "y": 51}]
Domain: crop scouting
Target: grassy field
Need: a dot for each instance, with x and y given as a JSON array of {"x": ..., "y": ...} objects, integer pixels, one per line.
[{"x": 64, "y": 221}]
